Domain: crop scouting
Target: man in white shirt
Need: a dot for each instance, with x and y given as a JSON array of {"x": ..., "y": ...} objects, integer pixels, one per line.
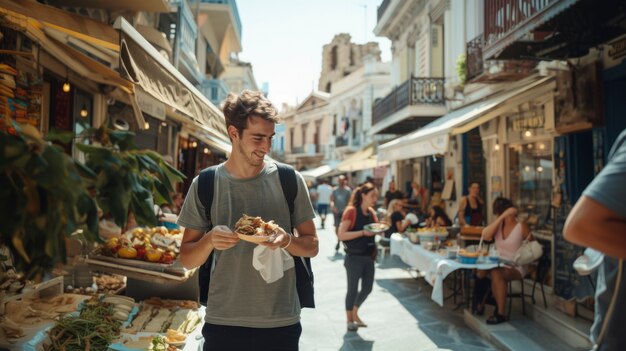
[{"x": 324, "y": 192}]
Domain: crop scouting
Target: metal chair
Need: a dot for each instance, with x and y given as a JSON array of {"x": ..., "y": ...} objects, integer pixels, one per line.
[{"x": 543, "y": 267}]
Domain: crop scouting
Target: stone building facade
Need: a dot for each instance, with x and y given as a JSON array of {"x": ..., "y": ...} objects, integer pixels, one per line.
[{"x": 341, "y": 57}]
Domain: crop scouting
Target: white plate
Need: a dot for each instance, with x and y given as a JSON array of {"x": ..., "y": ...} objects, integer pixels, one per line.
[
  {"x": 376, "y": 227},
  {"x": 254, "y": 238}
]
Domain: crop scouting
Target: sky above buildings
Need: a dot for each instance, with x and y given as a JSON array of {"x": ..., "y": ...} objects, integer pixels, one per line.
[{"x": 283, "y": 40}]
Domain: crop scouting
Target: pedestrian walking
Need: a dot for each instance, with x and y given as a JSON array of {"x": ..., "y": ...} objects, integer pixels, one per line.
[
  {"x": 243, "y": 311},
  {"x": 360, "y": 250},
  {"x": 324, "y": 192},
  {"x": 338, "y": 203}
]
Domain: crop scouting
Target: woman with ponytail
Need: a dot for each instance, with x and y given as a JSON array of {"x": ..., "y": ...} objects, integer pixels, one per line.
[{"x": 360, "y": 249}]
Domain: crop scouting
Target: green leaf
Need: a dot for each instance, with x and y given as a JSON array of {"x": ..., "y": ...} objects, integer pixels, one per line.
[
  {"x": 123, "y": 139},
  {"x": 85, "y": 171},
  {"x": 62, "y": 136}
]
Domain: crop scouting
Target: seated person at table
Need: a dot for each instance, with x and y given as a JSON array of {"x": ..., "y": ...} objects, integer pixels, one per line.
[
  {"x": 508, "y": 234},
  {"x": 437, "y": 217},
  {"x": 396, "y": 220}
]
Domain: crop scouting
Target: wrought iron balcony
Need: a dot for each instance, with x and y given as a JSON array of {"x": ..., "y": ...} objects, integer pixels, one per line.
[
  {"x": 474, "y": 57},
  {"x": 341, "y": 141},
  {"x": 382, "y": 8},
  {"x": 415, "y": 91}
]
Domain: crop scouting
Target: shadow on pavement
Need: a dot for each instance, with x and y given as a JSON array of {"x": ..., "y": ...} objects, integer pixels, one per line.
[
  {"x": 338, "y": 256},
  {"x": 353, "y": 341},
  {"x": 443, "y": 326},
  {"x": 391, "y": 262}
]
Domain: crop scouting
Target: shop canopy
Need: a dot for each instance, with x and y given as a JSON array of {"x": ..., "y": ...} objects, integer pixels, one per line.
[
  {"x": 360, "y": 160},
  {"x": 313, "y": 174},
  {"x": 143, "y": 65},
  {"x": 433, "y": 138}
]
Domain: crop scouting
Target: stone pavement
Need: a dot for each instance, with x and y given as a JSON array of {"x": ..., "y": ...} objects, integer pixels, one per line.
[{"x": 399, "y": 312}]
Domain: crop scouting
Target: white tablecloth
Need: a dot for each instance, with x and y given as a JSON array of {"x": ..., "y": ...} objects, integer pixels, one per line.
[{"x": 434, "y": 266}]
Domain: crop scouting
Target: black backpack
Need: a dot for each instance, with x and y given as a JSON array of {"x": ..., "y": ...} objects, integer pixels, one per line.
[{"x": 288, "y": 181}]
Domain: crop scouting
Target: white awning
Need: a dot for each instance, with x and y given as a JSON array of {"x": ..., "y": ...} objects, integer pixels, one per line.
[
  {"x": 312, "y": 174},
  {"x": 360, "y": 160},
  {"x": 433, "y": 138}
]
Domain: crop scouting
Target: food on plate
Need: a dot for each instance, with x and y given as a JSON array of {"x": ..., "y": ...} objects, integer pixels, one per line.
[
  {"x": 153, "y": 255},
  {"x": 255, "y": 226},
  {"x": 376, "y": 227},
  {"x": 466, "y": 253}
]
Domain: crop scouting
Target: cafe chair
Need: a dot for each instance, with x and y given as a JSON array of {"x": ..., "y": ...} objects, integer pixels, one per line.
[
  {"x": 382, "y": 245},
  {"x": 542, "y": 270}
]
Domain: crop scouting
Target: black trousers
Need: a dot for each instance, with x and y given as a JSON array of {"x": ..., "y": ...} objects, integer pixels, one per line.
[{"x": 223, "y": 337}]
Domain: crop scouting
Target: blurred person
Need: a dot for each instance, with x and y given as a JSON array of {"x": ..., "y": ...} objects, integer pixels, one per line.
[
  {"x": 312, "y": 194},
  {"x": 471, "y": 210},
  {"x": 396, "y": 218},
  {"x": 437, "y": 217},
  {"x": 598, "y": 221},
  {"x": 174, "y": 207},
  {"x": 392, "y": 193},
  {"x": 419, "y": 196},
  {"x": 324, "y": 192},
  {"x": 360, "y": 250},
  {"x": 339, "y": 200},
  {"x": 243, "y": 311},
  {"x": 508, "y": 234}
]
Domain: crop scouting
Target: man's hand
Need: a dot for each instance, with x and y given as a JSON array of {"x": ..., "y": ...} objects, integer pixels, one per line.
[
  {"x": 280, "y": 240},
  {"x": 223, "y": 238}
]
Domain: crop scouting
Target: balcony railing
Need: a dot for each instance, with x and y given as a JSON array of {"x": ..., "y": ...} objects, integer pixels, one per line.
[
  {"x": 214, "y": 90},
  {"x": 297, "y": 150},
  {"x": 341, "y": 141},
  {"x": 382, "y": 8},
  {"x": 505, "y": 16},
  {"x": 474, "y": 58},
  {"x": 415, "y": 91}
]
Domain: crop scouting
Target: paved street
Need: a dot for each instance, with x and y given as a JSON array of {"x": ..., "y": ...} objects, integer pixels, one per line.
[{"x": 399, "y": 312}]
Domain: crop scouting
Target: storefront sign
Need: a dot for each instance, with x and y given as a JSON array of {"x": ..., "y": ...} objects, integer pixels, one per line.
[
  {"x": 525, "y": 123},
  {"x": 618, "y": 48},
  {"x": 150, "y": 105}
]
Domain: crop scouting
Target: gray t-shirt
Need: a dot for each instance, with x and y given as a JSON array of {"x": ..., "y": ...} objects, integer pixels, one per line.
[
  {"x": 238, "y": 296},
  {"x": 342, "y": 197},
  {"x": 609, "y": 188}
]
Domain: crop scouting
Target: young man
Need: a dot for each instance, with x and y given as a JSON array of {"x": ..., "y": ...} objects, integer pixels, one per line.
[
  {"x": 338, "y": 202},
  {"x": 598, "y": 220},
  {"x": 243, "y": 311}
]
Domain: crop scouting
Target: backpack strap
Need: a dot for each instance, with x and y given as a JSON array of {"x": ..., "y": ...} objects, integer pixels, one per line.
[
  {"x": 206, "y": 183},
  {"x": 289, "y": 184},
  {"x": 302, "y": 265}
]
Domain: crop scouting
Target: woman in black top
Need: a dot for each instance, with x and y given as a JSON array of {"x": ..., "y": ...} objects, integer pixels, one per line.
[
  {"x": 360, "y": 250},
  {"x": 471, "y": 207}
]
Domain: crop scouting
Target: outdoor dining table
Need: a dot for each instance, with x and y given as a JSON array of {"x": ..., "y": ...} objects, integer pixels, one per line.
[{"x": 434, "y": 266}]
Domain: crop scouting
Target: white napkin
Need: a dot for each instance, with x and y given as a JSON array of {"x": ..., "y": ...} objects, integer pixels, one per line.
[{"x": 271, "y": 263}]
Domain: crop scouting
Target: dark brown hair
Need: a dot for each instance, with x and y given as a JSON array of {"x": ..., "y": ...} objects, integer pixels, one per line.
[
  {"x": 356, "y": 199},
  {"x": 500, "y": 205},
  {"x": 238, "y": 108}
]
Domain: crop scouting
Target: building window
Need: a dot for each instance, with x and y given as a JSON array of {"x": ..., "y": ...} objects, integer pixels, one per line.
[
  {"x": 530, "y": 180},
  {"x": 214, "y": 93},
  {"x": 333, "y": 58}
]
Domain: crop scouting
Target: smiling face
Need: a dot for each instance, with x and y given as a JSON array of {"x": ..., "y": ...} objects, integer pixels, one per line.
[{"x": 254, "y": 142}]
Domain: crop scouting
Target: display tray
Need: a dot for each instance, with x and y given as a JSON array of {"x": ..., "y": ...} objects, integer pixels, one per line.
[
  {"x": 160, "y": 267},
  {"x": 140, "y": 270}
]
